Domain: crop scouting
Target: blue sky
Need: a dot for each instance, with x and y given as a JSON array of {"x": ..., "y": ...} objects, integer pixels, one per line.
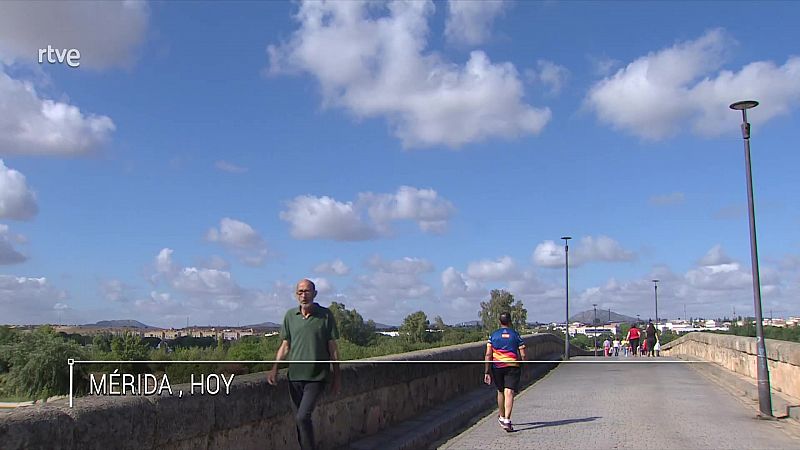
[{"x": 406, "y": 156}]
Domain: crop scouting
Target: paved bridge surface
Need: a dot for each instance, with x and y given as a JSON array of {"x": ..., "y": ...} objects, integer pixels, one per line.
[{"x": 628, "y": 403}]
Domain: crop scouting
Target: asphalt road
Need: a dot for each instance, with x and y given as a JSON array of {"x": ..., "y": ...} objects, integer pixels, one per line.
[{"x": 621, "y": 404}]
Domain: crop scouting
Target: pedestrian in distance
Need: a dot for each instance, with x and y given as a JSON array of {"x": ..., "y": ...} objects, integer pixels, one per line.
[
  {"x": 616, "y": 345},
  {"x": 308, "y": 333},
  {"x": 504, "y": 351},
  {"x": 606, "y": 347},
  {"x": 633, "y": 336},
  {"x": 652, "y": 336}
]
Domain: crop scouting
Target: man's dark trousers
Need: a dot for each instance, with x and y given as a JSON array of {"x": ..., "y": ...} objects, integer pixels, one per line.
[{"x": 304, "y": 396}]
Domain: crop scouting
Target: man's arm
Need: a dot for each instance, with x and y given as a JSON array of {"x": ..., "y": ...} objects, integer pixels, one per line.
[
  {"x": 283, "y": 350},
  {"x": 522, "y": 355},
  {"x": 333, "y": 351},
  {"x": 487, "y": 376}
]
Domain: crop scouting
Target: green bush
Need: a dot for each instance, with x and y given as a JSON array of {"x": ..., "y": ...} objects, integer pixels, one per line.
[{"x": 38, "y": 364}]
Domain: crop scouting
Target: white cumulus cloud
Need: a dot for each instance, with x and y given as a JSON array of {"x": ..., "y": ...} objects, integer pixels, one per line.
[
  {"x": 241, "y": 239},
  {"x": 335, "y": 267},
  {"x": 33, "y": 125},
  {"x": 502, "y": 268},
  {"x": 28, "y": 300},
  {"x": 589, "y": 249},
  {"x": 423, "y": 206},
  {"x": 664, "y": 92},
  {"x": 405, "y": 265},
  {"x": 8, "y": 254},
  {"x": 553, "y": 76},
  {"x": 17, "y": 200},
  {"x": 470, "y": 22},
  {"x": 370, "y": 60},
  {"x": 369, "y": 217},
  {"x": 458, "y": 285},
  {"x": 325, "y": 218},
  {"x": 715, "y": 256}
]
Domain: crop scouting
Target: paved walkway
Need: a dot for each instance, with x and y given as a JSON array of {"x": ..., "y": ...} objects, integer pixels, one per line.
[{"x": 622, "y": 404}]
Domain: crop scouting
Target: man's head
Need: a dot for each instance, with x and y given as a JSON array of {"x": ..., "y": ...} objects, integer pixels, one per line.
[
  {"x": 505, "y": 319},
  {"x": 305, "y": 291}
]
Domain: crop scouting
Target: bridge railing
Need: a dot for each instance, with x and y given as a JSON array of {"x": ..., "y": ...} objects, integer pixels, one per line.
[
  {"x": 256, "y": 415},
  {"x": 739, "y": 354}
]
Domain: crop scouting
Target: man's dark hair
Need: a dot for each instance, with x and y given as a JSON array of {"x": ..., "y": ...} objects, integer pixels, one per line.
[{"x": 505, "y": 319}]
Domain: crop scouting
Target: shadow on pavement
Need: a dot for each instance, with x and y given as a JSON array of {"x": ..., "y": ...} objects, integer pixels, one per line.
[{"x": 533, "y": 425}]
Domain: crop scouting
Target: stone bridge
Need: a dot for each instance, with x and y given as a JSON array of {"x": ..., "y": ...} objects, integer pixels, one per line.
[{"x": 425, "y": 401}]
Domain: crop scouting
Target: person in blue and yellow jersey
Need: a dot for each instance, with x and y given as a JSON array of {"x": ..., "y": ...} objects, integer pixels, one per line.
[{"x": 503, "y": 352}]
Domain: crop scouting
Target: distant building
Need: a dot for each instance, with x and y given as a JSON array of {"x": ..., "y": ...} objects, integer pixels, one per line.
[
  {"x": 589, "y": 330},
  {"x": 684, "y": 326}
]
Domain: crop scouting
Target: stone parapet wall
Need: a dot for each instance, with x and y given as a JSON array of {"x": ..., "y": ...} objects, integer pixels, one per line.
[
  {"x": 739, "y": 354},
  {"x": 257, "y": 415}
]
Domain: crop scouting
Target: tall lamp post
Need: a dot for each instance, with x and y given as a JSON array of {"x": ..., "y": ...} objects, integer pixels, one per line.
[
  {"x": 764, "y": 399},
  {"x": 655, "y": 286},
  {"x": 566, "y": 269},
  {"x": 594, "y": 328}
]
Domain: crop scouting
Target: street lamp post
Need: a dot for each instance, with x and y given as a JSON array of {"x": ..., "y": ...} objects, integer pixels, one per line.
[
  {"x": 655, "y": 286},
  {"x": 566, "y": 269},
  {"x": 764, "y": 399},
  {"x": 594, "y": 328}
]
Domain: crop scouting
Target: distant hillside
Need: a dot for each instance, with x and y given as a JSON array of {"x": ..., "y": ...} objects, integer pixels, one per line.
[
  {"x": 603, "y": 316},
  {"x": 118, "y": 324},
  {"x": 268, "y": 325},
  {"x": 277, "y": 326},
  {"x": 382, "y": 326}
]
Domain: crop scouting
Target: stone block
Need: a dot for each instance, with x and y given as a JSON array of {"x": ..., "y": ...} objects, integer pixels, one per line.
[
  {"x": 110, "y": 422},
  {"x": 37, "y": 427}
]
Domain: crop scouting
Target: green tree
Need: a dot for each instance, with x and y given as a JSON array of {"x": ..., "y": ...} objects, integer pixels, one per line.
[
  {"x": 249, "y": 348},
  {"x": 7, "y": 335},
  {"x": 38, "y": 364},
  {"x": 415, "y": 327},
  {"x": 352, "y": 326},
  {"x": 101, "y": 342},
  {"x": 438, "y": 323},
  {"x": 502, "y": 301},
  {"x": 581, "y": 341},
  {"x": 129, "y": 347}
]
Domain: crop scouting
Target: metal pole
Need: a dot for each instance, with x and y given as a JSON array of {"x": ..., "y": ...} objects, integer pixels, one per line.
[
  {"x": 594, "y": 328},
  {"x": 655, "y": 285},
  {"x": 764, "y": 398},
  {"x": 566, "y": 269}
]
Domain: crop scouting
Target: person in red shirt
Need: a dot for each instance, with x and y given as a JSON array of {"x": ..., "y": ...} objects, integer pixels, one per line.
[{"x": 633, "y": 336}]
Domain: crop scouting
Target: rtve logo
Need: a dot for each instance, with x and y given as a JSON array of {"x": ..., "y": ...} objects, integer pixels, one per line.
[{"x": 71, "y": 56}]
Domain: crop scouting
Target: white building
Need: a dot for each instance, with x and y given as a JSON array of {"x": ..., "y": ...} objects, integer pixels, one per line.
[{"x": 593, "y": 330}]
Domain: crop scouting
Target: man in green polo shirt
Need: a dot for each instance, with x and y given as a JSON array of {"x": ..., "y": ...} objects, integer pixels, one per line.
[{"x": 309, "y": 333}]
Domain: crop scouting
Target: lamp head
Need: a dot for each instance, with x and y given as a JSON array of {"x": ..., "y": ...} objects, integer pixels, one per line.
[
  {"x": 566, "y": 237},
  {"x": 744, "y": 104}
]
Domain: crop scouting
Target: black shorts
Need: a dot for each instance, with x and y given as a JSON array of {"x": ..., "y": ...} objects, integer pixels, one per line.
[{"x": 506, "y": 378}]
